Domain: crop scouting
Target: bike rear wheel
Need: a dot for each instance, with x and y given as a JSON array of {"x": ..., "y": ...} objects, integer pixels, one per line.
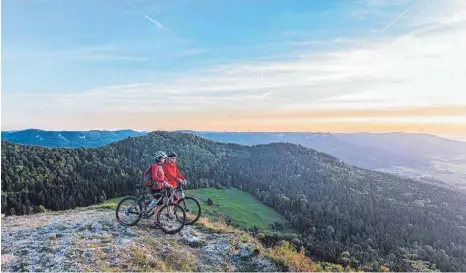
[
  {"x": 171, "y": 218},
  {"x": 128, "y": 211}
]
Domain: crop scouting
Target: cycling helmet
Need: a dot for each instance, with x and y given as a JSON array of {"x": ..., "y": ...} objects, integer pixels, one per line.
[
  {"x": 159, "y": 155},
  {"x": 172, "y": 154}
]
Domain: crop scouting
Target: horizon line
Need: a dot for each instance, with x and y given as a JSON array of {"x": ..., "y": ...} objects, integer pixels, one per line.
[{"x": 458, "y": 138}]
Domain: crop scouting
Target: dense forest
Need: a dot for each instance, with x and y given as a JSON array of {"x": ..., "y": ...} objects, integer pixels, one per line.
[{"x": 345, "y": 214}]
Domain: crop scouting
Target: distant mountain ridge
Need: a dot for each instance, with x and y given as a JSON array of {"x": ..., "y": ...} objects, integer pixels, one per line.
[
  {"x": 424, "y": 157},
  {"x": 421, "y": 156},
  {"x": 68, "y": 139},
  {"x": 354, "y": 154},
  {"x": 366, "y": 150}
]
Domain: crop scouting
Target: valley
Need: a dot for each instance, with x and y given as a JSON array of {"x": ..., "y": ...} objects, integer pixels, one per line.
[{"x": 448, "y": 172}]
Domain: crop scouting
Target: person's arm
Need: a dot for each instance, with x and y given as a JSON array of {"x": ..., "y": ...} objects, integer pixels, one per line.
[
  {"x": 179, "y": 175},
  {"x": 147, "y": 171},
  {"x": 168, "y": 174}
]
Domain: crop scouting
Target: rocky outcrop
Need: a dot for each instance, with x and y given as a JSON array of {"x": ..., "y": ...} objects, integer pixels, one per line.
[{"x": 91, "y": 239}]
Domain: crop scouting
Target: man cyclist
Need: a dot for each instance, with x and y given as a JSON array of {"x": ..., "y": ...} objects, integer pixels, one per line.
[{"x": 172, "y": 173}]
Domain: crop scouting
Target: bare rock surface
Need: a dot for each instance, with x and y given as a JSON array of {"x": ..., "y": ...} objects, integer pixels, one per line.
[{"x": 90, "y": 239}]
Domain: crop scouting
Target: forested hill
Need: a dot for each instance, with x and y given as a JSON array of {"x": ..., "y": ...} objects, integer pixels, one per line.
[
  {"x": 345, "y": 214},
  {"x": 68, "y": 139}
]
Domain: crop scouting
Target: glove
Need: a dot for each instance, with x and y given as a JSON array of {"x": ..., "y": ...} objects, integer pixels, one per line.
[{"x": 181, "y": 181}]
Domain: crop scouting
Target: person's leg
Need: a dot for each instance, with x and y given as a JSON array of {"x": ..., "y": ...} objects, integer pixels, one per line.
[
  {"x": 155, "y": 215},
  {"x": 157, "y": 208},
  {"x": 174, "y": 199}
]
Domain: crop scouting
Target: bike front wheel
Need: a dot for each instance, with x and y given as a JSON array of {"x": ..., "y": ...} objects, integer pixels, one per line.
[
  {"x": 171, "y": 218},
  {"x": 192, "y": 208}
]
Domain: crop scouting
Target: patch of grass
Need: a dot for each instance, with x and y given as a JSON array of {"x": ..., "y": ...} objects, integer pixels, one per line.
[
  {"x": 106, "y": 267},
  {"x": 108, "y": 204},
  {"x": 139, "y": 256},
  {"x": 181, "y": 261},
  {"x": 133, "y": 258},
  {"x": 245, "y": 238},
  {"x": 384, "y": 269},
  {"x": 233, "y": 243},
  {"x": 42, "y": 208},
  {"x": 242, "y": 208},
  {"x": 288, "y": 259},
  {"x": 213, "y": 227},
  {"x": 196, "y": 244},
  {"x": 148, "y": 254},
  {"x": 329, "y": 267}
]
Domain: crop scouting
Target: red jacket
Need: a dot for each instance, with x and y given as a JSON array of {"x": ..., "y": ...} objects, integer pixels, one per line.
[
  {"x": 172, "y": 173},
  {"x": 157, "y": 175}
]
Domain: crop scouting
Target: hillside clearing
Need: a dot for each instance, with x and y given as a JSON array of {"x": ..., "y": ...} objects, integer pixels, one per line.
[{"x": 241, "y": 207}]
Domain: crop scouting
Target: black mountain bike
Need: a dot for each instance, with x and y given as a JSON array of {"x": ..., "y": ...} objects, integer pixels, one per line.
[
  {"x": 131, "y": 209},
  {"x": 190, "y": 205}
]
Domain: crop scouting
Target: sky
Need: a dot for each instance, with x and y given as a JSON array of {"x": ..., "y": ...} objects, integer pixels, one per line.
[{"x": 262, "y": 65}]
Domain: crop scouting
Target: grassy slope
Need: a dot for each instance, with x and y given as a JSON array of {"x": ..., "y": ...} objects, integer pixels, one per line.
[{"x": 242, "y": 208}]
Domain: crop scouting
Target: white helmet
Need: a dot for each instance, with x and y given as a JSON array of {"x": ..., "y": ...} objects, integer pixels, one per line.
[{"x": 159, "y": 155}]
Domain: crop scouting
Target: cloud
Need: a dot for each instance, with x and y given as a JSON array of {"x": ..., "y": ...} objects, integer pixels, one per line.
[
  {"x": 420, "y": 69},
  {"x": 155, "y": 22}
]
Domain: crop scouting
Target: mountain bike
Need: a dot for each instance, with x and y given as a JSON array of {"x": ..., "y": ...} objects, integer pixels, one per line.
[
  {"x": 189, "y": 204},
  {"x": 131, "y": 209}
]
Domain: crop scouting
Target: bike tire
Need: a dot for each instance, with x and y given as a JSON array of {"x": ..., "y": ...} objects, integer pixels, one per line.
[
  {"x": 182, "y": 200},
  {"x": 182, "y": 222},
  {"x": 118, "y": 208}
]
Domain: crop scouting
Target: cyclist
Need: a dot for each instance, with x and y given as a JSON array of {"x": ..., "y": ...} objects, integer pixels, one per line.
[
  {"x": 172, "y": 173},
  {"x": 158, "y": 176}
]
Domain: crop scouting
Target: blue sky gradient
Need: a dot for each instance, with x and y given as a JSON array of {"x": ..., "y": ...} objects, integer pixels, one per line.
[
  {"x": 64, "y": 46},
  {"x": 195, "y": 58}
]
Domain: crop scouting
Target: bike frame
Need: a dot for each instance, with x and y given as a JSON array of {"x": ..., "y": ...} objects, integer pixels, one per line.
[
  {"x": 161, "y": 197},
  {"x": 180, "y": 190}
]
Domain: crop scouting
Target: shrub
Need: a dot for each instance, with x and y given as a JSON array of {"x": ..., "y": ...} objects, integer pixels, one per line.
[{"x": 288, "y": 259}]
